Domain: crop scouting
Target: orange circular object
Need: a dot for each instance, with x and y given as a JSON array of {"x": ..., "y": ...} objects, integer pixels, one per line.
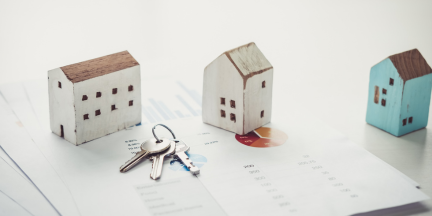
[{"x": 263, "y": 137}]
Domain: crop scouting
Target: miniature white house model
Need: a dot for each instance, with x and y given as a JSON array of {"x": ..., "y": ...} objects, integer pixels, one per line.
[
  {"x": 94, "y": 98},
  {"x": 237, "y": 91}
]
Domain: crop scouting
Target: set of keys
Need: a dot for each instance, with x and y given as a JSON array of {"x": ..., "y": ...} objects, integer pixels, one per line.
[{"x": 157, "y": 150}]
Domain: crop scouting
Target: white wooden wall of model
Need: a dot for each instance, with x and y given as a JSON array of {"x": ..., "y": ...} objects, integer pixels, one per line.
[
  {"x": 221, "y": 80},
  {"x": 67, "y": 107},
  {"x": 245, "y": 76},
  {"x": 62, "y": 105}
]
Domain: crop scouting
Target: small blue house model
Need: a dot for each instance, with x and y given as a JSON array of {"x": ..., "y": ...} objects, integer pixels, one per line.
[{"x": 400, "y": 93}]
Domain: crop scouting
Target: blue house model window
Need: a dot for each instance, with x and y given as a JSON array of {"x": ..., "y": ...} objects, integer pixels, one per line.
[
  {"x": 410, "y": 120},
  {"x": 383, "y": 102},
  {"x": 391, "y": 81},
  {"x": 376, "y": 95},
  {"x": 404, "y": 122}
]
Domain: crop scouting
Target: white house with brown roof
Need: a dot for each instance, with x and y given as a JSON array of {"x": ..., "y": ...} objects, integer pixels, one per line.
[
  {"x": 94, "y": 98},
  {"x": 237, "y": 92}
]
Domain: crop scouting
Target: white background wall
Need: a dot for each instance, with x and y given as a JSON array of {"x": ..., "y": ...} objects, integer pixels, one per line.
[{"x": 321, "y": 51}]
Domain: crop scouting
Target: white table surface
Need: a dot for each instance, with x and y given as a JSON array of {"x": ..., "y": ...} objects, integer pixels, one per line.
[{"x": 322, "y": 52}]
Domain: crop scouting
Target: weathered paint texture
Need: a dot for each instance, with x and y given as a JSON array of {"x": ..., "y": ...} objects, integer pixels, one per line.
[
  {"x": 68, "y": 108},
  {"x": 415, "y": 103},
  {"x": 221, "y": 80},
  {"x": 62, "y": 109},
  {"x": 403, "y": 99},
  {"x": 109, "y": 121},
  {"x": 257, "y": 99},
  {"x": 238, "y": 75}
]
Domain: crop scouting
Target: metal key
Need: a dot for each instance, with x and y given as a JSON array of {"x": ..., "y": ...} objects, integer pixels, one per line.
[
  {"x": 150, "y": 146},
  {"x": 180, "y": 152},
  {"x": 158, "y": 160}
]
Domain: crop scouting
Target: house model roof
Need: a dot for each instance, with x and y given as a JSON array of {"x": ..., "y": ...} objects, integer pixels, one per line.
[
  {"x": 99, "y": 66},
  {"x": 248, "y": 59},
  {"x": 410, "y": 64}
]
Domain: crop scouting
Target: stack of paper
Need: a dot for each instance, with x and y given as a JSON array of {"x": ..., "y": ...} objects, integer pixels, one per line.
[{"x": 287, "y": 167}]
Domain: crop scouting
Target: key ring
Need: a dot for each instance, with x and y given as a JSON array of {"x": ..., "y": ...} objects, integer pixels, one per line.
[{"x": 157, "y": 139}]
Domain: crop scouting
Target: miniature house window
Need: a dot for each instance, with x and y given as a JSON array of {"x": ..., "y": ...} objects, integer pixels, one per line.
[
  {"x": 61, "y": 131},
  {"x": 131, "y": 103},
  {"x": 232, "y": 104},
  {"x": 410, "y": 119},
  {"x": 263, "y": 84},
  {"x": 130, "y": 88},
  {"x": 384, "y": 91},
  {"x": 59, "y": 84},
  {"x": 383, "y": 102},
  {"x": 114, "y": 90},
  {"x": 262, "y": 113},
  {"x": 404, "y": 122},
  {"x": 84, "y": 97},
  {"x": 391, "y": 81},
  {"x": 97, "y": 112},
  {"x": 113, "y": 107},
  {"x": 98, "y": 94},
  {"x": 223, "y": 101},
  {"x": 223, "y": 113},
  {"x": 86, "y": 116},
  {"x": 376, "y": 97},
  {"x": 232, "y": 117}
]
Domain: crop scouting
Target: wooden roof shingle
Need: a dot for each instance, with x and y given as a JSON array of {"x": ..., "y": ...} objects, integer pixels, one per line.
[
  {"x": 410, "y": 64},
  {"x": 248, "y": 59},
  {"x": 99, "y": 66}
]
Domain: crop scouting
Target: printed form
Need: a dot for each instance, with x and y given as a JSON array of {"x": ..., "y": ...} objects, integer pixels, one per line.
[{"x": 282, "y": 169}]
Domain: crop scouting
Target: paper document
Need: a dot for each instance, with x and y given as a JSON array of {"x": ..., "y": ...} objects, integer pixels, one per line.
[
  {"x": 23, "y": 192},
  {"x": 286, "y": 167},
  {"x": 30, "y": 157},
  {"x": 10, "y": 207},
  {"x": 9, "y": 161},
  {"x": 180, "y": 197}
]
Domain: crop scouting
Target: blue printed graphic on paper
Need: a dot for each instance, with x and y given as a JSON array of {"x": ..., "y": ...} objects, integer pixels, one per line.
[{"x": 198, "y": 160}]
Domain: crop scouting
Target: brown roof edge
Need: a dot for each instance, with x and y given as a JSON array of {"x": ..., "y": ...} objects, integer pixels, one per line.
[
  {"x": 410, "y": 64},
  {"x": 246, "y": 45},
  {"x": 245, "y": 78},
  {"x": 227, "y": 52},
  {"x": 255, "y": 73},
  {"x": 99, "y": 66}
]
